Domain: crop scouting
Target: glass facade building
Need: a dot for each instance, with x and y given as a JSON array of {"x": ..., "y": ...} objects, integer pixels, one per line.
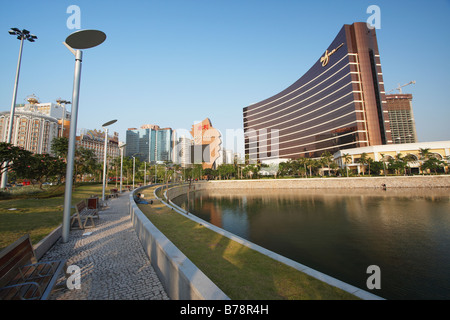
[
  {"x": 338, "y": 104},
  {"x": 149, "y": 143}
]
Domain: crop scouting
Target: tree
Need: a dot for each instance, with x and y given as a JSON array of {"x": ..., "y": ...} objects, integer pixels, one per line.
[
  {"x": 363, "y": 160},
  {"x": 432, "y": 164},
  {"x": 60, "y": 147},
  {"x": 347, "y": 158},
  {"x": 227, "y": 170},
  {"x": 39, "y": 167},
  {"x": 11, "y": 155},
  {"x": 85, "y": 162},
  {"x": 327, "y": 159},
  {"x": 424, "y": 153}
]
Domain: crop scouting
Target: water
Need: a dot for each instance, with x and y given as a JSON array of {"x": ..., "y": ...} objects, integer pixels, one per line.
[{"x": 341, "y": 233}]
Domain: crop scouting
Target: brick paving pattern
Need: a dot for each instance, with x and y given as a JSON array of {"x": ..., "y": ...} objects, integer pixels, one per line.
[{"x": 111, "y": 259}]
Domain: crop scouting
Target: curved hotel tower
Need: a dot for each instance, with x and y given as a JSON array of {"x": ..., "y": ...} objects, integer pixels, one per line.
[{"x": 338, "y": 104}]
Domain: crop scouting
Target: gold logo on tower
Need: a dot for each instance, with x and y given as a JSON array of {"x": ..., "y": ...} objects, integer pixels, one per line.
[{"x": 326, "y": 58}]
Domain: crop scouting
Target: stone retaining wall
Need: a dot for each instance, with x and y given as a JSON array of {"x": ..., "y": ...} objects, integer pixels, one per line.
[{"x": 440, "y": 181}]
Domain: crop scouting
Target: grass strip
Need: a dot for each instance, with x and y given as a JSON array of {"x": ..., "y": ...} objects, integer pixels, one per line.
[
  {"x": 242, "y": 273},
  {"x": 37, "y": 213}
]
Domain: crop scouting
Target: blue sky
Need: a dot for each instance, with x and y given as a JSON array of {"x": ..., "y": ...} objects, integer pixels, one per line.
[{"x": 173, "y": 62}]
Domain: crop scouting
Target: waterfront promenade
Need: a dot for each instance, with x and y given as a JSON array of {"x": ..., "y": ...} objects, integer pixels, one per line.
[{"x": 111, "y": 259}]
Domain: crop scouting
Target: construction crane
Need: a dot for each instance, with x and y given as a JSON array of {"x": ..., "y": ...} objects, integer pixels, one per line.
[{"x": 399, "y": 88}]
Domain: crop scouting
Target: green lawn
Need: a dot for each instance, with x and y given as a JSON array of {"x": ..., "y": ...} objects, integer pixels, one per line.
[
  {"x": 240, "y": 272},
  {"x": 37, "y": 212}
]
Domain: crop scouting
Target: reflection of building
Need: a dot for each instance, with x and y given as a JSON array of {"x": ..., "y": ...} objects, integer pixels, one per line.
[
  {"x": 150, "y": 143},
  {"x": 437, "y": 149},
  {"x": 95, "y": 141},
  {"x": 339, "y": 103},
  {"x": 35, "y": 125},
  {"x": 206, "y": 144},
  {"x": 401, "y": 118}
]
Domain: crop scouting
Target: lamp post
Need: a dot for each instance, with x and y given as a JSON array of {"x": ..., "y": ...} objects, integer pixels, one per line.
[
  {"x": 21, "y": 35},
  {"x": 122, "y": 146},
  {"x": 134, "y": 161},
  {"x": 82, "y": 39},
  {"x": 145, "y": 173},
  {"x": 105, "y": 125},
  {"x": 63, "y": 103}
]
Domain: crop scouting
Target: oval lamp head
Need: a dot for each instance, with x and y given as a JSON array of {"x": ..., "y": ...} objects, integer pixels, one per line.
[
  {"x": 109, "y": 123},
  {"x": 85, "y": 39}
]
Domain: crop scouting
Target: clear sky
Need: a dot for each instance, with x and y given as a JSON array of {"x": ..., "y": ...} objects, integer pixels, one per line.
[{"x": 173, "y": 62}]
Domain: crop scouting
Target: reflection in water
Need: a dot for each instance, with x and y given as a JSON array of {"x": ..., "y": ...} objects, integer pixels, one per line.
[{"x": 342, "y": 232}]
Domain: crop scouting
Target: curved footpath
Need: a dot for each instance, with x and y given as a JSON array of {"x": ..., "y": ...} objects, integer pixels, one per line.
[{"x": 111, "y": 259}]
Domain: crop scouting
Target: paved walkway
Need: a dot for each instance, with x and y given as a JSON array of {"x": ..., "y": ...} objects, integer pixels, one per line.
[{"x": 113, "y": 264}]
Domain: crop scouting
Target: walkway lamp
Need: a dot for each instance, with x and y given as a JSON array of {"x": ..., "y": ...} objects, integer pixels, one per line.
[
  {"x": 82, "y": 39},
  {"x": 122, "y": 146},
  {"x": 105, "y": 125},
  {"x": 21, "y": 35},
  {"x": 134, "y": 164}
]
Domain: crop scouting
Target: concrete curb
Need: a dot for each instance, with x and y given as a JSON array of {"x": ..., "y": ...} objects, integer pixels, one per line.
[
  {"x": 180, "y": 277},
  {"x": 45, "y": 244}
]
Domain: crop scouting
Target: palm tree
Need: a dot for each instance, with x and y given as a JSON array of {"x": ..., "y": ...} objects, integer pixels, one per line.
[
  {"x": 347, "y": 158},
  {"x": 363, "y": 160},
  {"x": 309, "y": 163},
  {"x": 327, "y": 158},
  {"x": 424, "y": 154}
]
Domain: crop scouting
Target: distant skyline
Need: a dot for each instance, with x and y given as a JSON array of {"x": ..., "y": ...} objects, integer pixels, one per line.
[{"x": 172, "y": 63}]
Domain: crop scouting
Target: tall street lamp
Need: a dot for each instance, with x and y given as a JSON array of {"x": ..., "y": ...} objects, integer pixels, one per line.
[
  {"x": 105, "y": 125},
  {"x": 63, "y": 104},
  {"x": 122, "y": 146},
  {"x": 134, "y": 163},
  {"x": 82, "y": 39},
  {"x": 21, "y": 35}
]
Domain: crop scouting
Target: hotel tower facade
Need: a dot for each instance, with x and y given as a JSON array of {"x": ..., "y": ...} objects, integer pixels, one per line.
[{"x": 338, "y": 104}]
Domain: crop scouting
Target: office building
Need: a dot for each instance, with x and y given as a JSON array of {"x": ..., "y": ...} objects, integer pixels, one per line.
[
  {"x": 401, "y": 118},
  {"x": 150, "y": 143},
  {"x": 339, "y": 103}
]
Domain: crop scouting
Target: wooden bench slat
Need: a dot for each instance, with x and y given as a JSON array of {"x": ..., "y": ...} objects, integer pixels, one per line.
[{"x": 24, "y": 278}]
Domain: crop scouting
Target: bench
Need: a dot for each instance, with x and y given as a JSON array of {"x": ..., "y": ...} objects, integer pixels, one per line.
[
  {"x": 114, "y": 193},
  {"x": 84, "y": 213},
  {"x": 22, "y": 277}
]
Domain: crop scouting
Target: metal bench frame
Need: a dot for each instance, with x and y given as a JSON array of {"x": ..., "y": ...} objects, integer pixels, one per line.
[{"x": 22, "y": 277}]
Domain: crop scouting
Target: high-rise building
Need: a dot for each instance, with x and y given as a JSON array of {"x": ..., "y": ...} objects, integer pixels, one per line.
[
  {"x": 401, "y": 118},
  {"x": 164, "y": 145},
  {"x": 150, "y": 143},
  {"x": 183, "y": 151},
  {"x": 206, "y": 145},
  {"x": 339, "y": 103}
]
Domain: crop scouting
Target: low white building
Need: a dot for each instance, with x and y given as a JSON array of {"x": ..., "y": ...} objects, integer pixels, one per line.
[{"x": 439, "y": 149}]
